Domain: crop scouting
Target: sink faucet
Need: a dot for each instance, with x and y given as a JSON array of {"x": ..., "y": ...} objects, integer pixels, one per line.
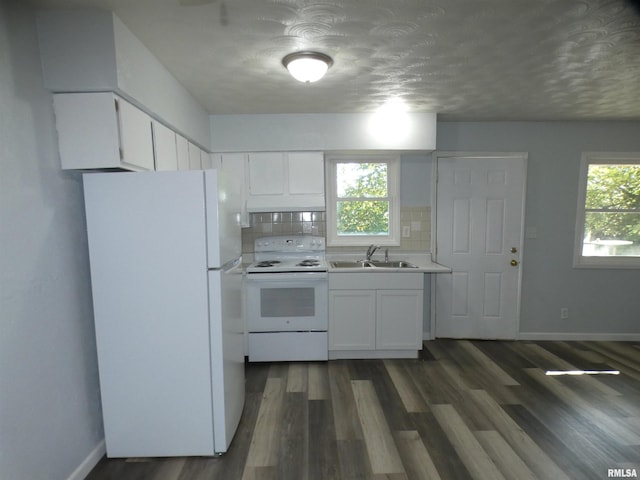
[{"x": 371, "y": 250}]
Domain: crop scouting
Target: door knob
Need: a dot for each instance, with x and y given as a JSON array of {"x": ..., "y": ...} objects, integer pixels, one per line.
[{"x": 514, "y": 263}]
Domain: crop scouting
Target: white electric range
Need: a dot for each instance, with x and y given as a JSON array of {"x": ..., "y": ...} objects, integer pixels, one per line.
[{"x": 287, "y": 299}]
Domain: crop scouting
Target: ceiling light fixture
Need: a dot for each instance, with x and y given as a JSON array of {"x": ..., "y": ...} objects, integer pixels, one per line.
[{"x": 307, "y": 67}]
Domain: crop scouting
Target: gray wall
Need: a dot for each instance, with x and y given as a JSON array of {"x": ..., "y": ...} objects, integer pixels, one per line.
[
  {"x": 415, "y": 179},
  {"x": 599, "y": 300},
  {"x": 323, "y": 132},
  {"x": 50, "y": 418}
]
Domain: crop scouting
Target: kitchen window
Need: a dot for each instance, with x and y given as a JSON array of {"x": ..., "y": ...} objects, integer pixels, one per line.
[
  {"x": 608, "y": 220},
  {"x": 363, "y": 205}
]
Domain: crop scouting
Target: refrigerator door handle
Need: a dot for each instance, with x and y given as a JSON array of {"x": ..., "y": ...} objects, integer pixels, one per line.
[{"x": 229, "y": 266}]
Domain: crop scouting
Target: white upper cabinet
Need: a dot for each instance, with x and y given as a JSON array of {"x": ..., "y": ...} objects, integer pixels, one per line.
[
  {"x": 306, "y": 173},
  {"x": 136, "y": 136},
  {"x": 206, "y": 160},
  {"x": 285, "y": 181},
  {"x": 182, "y": 150},
  {"x": 165, "y": 149},
  {"x": 266, "y": 174},
  {"x": 104, "y": 131},
  {"x": 190, "y": 156},
  {"x": 195, "y": 161},
  {"x": 101, "y": 130}
]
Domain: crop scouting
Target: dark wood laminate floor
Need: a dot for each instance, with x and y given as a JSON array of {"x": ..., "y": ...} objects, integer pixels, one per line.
[{"x": 464, "y": 410}]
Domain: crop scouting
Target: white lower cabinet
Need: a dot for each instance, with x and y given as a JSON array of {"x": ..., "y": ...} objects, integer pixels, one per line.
[
  {"x": 352, "y": 319},
  {"x": 399, "y": 319},
  {"x": 375, "y": 314}
]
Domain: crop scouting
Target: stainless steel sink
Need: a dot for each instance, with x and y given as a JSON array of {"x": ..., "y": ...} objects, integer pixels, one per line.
[
  {"x": 371, "y": 264},
  {"x": 350, "y": 264},
  {"x": 392, "y": 264}
]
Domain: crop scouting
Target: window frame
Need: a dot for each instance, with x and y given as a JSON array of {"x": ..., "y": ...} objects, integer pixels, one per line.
[
  {"x": 393, "y": 197},
  {"x": 583, "y": 261}
]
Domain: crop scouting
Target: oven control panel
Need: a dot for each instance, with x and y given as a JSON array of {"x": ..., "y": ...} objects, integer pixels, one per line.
[{"x": 290, "y": 243}]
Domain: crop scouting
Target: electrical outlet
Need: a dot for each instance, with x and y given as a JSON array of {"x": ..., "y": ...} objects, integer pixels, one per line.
[
  {"x": 564, "y": 313},
  {"x": 406, "y": 231}
]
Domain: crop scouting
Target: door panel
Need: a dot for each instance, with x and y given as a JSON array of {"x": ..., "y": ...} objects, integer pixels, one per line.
[
  {"x": 480, "y": 205},
  {"x": 461, "y": 224},
  {"x": 492, "y": 294},
  {"x": 495, "y": 227}
]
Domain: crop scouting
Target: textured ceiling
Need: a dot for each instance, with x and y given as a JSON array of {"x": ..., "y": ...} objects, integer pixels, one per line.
[{"x": 464, "y": 59}]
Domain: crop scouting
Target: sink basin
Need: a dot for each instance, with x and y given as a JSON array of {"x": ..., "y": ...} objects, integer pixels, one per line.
[
  {"x": 371, "y": 264},
  {"x": 351, "y": 264},
  {"x": 392, "y": 264}
]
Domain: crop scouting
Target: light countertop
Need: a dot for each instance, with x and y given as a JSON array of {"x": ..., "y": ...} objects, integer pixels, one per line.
[{"x": 423, "y": 263}]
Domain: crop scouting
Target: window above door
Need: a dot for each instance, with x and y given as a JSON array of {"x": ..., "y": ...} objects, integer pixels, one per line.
[{"x": 608, "y": 219}]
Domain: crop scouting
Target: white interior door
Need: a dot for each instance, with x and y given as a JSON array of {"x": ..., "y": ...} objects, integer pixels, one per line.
[{"x": 479, "y": 223}]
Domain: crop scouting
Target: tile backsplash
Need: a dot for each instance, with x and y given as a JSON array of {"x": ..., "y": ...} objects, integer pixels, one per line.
[
  {"x": 282, "y": 223},
  {"x": 416, "y": 221}
]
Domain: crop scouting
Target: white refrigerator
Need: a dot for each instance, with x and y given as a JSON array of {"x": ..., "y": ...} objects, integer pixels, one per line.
[{"x": 165, "y": 255}]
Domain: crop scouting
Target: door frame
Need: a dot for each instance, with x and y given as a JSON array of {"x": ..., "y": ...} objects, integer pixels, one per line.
[{"x": 444, "y": 154}]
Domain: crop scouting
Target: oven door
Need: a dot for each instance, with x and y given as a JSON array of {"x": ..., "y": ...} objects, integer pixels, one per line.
[{"x": 287, "y": 302}]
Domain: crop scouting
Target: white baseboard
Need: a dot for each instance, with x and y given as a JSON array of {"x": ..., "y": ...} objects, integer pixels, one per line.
[
  {"x": 616, "y": 337},
  {"x": 88, "y": 463}
]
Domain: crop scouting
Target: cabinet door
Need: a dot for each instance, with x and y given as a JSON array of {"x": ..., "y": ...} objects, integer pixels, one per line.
[
  {"x": 195, "y": 162},
  {"x": 182, "y": 150},
  {"x": 164, "y": 146},
  {"x": 352, "y": 319},
  {"x": 399, "y": 319},
  {"x": 266, "y": 174},
  {"x": 87, "y": 127},
  {"x": 136, "y": 141},
  {"x": 206, "y": 160},
  {"x": 306, "y": 173}
]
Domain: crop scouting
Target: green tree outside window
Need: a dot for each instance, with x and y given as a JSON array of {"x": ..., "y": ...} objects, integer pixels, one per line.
[
  {"x": 363, "y": 205},
  {"x": 612, "y": 207}
]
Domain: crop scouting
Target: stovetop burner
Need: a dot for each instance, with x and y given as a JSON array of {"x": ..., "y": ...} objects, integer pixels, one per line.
[
  {"x": 309, "y": 263},
  {"x": 289, "y": 254},
  {"x": 267, "y": 263}
]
